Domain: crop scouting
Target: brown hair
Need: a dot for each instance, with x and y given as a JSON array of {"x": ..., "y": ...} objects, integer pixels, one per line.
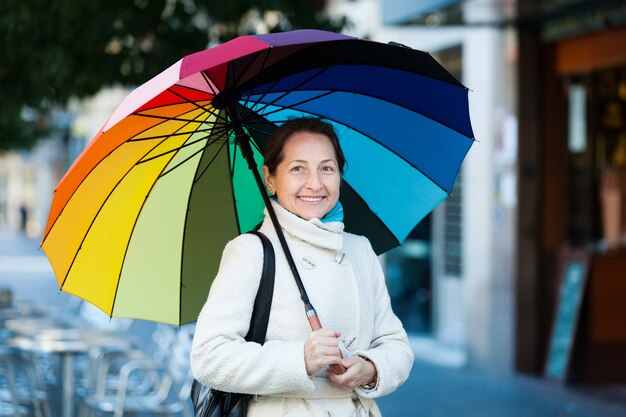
[{"x": 274, "y": 150}]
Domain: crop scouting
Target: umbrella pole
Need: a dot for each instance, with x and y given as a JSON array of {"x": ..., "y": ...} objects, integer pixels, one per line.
[{"x": 243, "y": 141}]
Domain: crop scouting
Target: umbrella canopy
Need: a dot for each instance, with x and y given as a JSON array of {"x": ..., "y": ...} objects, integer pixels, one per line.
[{"x": 138, "y": 223}]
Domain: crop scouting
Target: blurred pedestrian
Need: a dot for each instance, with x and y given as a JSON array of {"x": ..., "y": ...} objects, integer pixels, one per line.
[
  {"x": 23, "y": 217},
  {"x": 292, "y": 374}
]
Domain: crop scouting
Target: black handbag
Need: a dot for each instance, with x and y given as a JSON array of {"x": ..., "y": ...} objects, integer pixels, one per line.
[{"x": 208, "y": 402}]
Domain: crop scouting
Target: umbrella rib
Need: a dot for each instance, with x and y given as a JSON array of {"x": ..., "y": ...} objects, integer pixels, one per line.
[
  {"x": 209, "y": 82},
  {"x": 278, "y": 79},
  {"x": 286, "y": 93},
  {"x": 213, "y": 111},
  {"x": 232, "y": 190},
  {"x": 250, "y": 125},
  {"x": 169, "y": 118},
  {"x": 176, "y": 149},
  {"x": 294, "y": 104},
  {"x": 99, "y": 211},
  {"x": 156, "y": 116},
  {"x": 230, "y": 81},
  {"x": 187, "y": 87},
  {"x": 209, "y": 143},
  {"x": 164, "y": 136},
  {"x": 253, "y": 142},
  {"x": 238, "y": 111},
  {"x": 172, "y": 104},
  {"x": 195, "y": 103},
  {"x": 265, "y": 60},
  {"x": 233, "y": 162},
  {"x": 142, "y": 161},
  {"x": 196, "y": 179},
  {"x": 230, "y": 75}
]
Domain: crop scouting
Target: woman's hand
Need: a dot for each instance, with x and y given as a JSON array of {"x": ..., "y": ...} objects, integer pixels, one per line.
[
  {"x": 358, "y": 372},
  {"x": 321, "y": 349}
]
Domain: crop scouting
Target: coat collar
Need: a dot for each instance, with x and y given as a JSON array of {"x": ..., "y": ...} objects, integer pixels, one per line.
[{"x": 324, "y": 235}]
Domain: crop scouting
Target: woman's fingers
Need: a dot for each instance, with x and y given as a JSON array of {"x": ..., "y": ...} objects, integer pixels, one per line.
[
  {"x": 358, "y": 372},
  {"x": 325, "y": 332},
  {"x": 321, "y": 349},
  {"x": 316, "y": 361}
]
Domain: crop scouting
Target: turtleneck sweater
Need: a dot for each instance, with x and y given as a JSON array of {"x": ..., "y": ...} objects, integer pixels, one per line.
[{"x": 345, "y": 283}]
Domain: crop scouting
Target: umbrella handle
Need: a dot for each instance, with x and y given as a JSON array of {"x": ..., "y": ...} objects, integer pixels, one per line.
[{"x": 314, "y": 322}]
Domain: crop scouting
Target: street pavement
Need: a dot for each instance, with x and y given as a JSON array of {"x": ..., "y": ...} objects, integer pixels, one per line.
[
  {"x": 439, "y": 391},
  {"x": 432, "y": 389}
]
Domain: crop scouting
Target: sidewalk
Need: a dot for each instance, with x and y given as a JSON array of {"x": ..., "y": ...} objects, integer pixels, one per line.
[
  {"x": 25, "y": 269},
  {"x": 436, "y": 391}
]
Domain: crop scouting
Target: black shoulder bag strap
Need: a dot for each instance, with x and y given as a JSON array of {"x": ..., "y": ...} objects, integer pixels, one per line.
[
  {"x": 212, "y": 403},
  {"x": 263, "y": 301}
]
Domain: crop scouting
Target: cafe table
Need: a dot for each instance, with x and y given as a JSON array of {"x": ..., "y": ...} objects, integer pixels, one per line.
[{"x": 66, "y": 344}]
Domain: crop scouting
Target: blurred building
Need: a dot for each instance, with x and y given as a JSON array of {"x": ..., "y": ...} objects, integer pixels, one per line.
[
  {"x": 28, "y": 177},
  {"x": 461, "y": 259},
  {"x": 572, "y": 211},
  {"x": 526, "y": 262}
]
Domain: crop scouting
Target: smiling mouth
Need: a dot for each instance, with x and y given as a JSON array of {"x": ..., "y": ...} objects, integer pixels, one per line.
[{"x": 311, "y": 199}]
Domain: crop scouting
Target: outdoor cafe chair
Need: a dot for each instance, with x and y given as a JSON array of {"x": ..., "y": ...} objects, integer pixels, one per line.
[
  {"x": 102, "y": 370},
  {"x": 163, "y": 396},
  {"x": 156, "y": 380},
  {"x": 9, "y": 404},
  {"x": 27, "y": 385}
]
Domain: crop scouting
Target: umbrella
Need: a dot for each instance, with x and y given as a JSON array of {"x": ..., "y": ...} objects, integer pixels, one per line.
[{"x": 138, "y": 223}]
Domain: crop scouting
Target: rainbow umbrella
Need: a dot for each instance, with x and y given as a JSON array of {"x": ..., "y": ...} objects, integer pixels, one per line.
[{"x": 139, "y": 221}]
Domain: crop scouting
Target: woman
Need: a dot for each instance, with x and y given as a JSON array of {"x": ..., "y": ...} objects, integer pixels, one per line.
[{"x": 290, "y": 373}]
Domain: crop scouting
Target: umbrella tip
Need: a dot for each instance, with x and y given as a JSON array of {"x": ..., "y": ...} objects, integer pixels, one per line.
[{"x": 393, "y": 43}]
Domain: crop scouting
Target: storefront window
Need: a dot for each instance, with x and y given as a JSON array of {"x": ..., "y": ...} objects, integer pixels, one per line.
[
  {"x": 408, "y": 273},
  {"x": 453, "y": 227},
  {"x": 597, "y": 160}
]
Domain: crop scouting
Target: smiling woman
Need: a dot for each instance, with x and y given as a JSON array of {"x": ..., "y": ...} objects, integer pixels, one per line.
[{"x": 336, "y": 370}]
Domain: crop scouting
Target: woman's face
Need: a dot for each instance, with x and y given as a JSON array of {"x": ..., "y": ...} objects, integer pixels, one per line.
[{"x": 307, "y": 180}]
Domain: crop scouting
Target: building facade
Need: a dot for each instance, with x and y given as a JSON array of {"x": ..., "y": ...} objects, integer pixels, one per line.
[
  {"x": 471, "y": 238},
  {"x": 527, "y": 265},
  {"x": 572, "y": 70}
]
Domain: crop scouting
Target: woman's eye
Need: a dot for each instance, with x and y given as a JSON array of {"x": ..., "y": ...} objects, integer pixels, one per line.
[
  {"x": 297, "y": 168},
  {"x": 327, "y": 168}
]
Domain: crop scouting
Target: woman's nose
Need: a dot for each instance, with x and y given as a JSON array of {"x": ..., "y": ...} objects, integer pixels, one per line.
[{"x": 313, "y": 181}]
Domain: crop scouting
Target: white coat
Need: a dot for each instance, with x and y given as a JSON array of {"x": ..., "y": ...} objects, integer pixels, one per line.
[{"x": 345, "y": 284}]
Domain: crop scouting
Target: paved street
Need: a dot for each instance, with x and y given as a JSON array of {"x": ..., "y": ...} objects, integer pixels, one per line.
[
  {"x": 25, "y": 269},
  {"x": 435, "y": 391},
  {"x": 431, "y": 391}
]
